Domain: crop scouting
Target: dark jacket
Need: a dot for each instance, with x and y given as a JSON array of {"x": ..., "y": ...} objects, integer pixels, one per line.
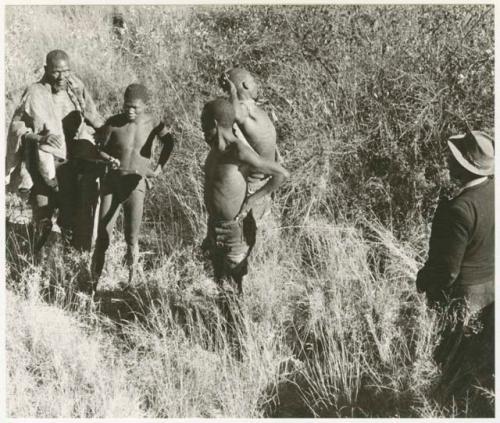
[{"x": 462, "y": 243}]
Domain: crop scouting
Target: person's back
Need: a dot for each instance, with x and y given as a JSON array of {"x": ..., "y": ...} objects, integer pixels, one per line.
[
  {"x": 259, "y": 130},
  {"x": 253, "y": 121},
  {"x": 460, "y": 262},
  {"x": 476, "y": 205}
]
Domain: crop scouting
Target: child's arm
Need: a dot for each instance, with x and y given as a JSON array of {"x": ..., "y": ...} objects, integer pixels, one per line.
[
  {"x": 167, "y": 139},
  {"x": 277, "y": 173},
  {"x": 103, "y": 135},
  {"x": 115, "y": 163}
]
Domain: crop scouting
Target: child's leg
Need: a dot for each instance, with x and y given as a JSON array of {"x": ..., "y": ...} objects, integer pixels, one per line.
[
  {"x": 133, "y": 210},
  {"x": 110, "y": 207}
]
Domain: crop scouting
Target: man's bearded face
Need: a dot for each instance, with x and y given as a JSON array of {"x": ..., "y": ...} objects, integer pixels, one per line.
[{"x": 57, "y": 74}]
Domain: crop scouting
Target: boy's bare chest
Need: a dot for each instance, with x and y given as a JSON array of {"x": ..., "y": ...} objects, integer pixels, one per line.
[{"x": 131, "y": 136}]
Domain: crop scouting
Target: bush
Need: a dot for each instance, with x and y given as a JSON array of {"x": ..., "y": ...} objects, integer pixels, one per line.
[{"x": 363, "y": 99}]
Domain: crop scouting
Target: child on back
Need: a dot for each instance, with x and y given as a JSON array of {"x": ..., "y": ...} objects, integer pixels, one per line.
[
  {"x": 126, "y": 141},
  {"x": 254, "y": 123}
]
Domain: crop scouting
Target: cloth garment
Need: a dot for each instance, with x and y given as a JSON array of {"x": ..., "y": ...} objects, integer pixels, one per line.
[
  {"x": 461, "y": 246},
  {"x": 74, "y": 200},
  {"x": 70, "y": 114},
  {"x": 229, "y": 251},
  {"x": 466, "y": 351},
  {"x": 41, "y": 112},
  {"x": 47, "y": 155}
]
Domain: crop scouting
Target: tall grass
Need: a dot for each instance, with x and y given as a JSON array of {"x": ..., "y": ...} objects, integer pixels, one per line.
[
  {"x": 339, "y": 339},
  {"x": 364, "y": 98}
]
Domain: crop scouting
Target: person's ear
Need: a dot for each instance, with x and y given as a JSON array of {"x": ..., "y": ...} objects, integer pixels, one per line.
[
  {"x": 221, "y": 143},
  {"x": 245, "y": 85}
]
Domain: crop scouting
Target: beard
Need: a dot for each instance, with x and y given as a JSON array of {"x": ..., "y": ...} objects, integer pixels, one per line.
[{"x": 59, "y": 86}]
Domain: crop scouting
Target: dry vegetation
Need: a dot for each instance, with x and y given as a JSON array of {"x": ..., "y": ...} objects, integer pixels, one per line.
[{"x": 364, "y": 97}]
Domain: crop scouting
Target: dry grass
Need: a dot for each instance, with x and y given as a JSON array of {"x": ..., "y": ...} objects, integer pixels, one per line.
[
  {"x": 329, "y": 338},
  {"x": 332, "y": 323}
]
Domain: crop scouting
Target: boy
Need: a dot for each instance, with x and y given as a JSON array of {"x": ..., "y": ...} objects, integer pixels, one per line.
[
  {"x": 255, "y": 125},
  {"x": 126, "y": 142}
]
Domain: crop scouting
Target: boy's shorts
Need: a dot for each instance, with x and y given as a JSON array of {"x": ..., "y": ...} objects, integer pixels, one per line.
[{"x": 229, "y": 251}]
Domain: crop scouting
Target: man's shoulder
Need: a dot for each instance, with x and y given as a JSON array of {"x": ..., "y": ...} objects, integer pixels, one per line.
[
  {"x": 37, "y": 88},
  {"x": 461, "y": 209},
  {"x": 478, "y": 195}
]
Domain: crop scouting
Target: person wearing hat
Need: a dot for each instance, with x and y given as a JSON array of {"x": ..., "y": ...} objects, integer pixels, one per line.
[
  {"x": 461, "y": 261},
  {"x": 458, "y": 276}
]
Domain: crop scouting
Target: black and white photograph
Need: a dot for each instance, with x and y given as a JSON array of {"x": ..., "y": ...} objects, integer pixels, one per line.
[{"x": 242, "y": 210}]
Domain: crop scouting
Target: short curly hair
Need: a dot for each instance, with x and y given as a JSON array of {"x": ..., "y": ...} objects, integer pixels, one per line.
[
  {"x": 136, "y": 92},
  {"x": 220, "y": 110},
  {"x": 54, "y": 56}
]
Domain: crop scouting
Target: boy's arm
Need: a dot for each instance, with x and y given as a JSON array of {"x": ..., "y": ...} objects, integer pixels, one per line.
[
  {"x": 257, "y": 164},
  {"x": 103, "y": 134},
  {"x": 167, "y": 139}
]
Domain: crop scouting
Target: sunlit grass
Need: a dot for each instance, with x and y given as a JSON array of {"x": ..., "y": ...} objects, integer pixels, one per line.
[{"x": 332, "y": 325}]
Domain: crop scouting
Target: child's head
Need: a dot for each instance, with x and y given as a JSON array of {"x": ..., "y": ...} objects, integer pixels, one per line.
[
  {"x": 135, "y": 100},
  {"x": 244, "y": 82}
]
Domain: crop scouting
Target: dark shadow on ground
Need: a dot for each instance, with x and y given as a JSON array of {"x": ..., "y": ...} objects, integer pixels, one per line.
[
  {"x": 469, "y": 364},
  {"x": 122, "y": 305}
]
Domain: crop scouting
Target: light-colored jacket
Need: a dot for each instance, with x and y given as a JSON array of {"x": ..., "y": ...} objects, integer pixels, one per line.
[{"x": 36, "y": 114}]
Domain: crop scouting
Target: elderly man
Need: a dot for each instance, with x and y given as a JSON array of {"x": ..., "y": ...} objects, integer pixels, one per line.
[
  {"x": 56, "y": 115},
  {"x": 458, "y": 276}
]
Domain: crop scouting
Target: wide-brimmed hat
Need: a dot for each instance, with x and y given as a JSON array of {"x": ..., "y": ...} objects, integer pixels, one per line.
[{"x": 474, "y": 151}]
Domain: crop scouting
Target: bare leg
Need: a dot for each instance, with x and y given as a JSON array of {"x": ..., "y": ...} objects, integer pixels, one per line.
[
  {"x": 110, "y": 207},
  {"x": 133, "y": 209}
]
